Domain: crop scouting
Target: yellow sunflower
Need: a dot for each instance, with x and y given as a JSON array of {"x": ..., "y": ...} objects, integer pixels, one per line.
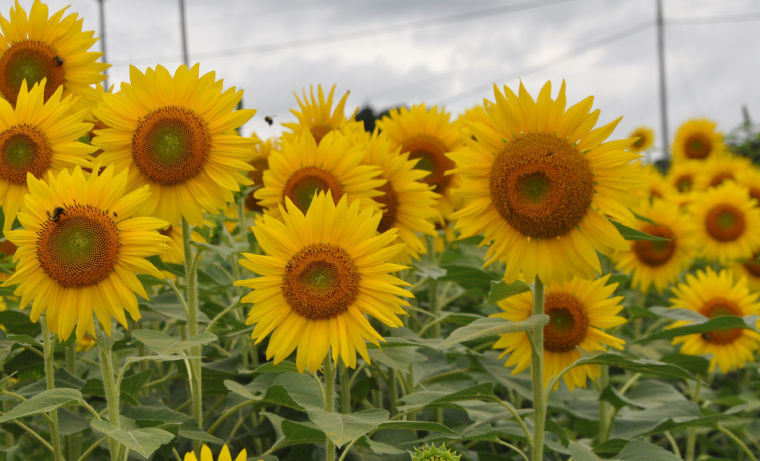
[
  {"x": 176, "y": 133},
  {"x": 174, "y": 252},
  {"x": 714, "y": 294},
  {"x": 303, "y": 167},
  {"x": 750, "y": 178},
  {"x": 697, "y": 139},
  {"x": 683, "y": 175},
  {"x": 260, "y": 163},
  {"x": 473, "y": 114},
  {"x": 750, "y": 269},
  {"x": 36, "y": 137},
  {"x": 207, "y": 455},
  {"x": 720, "y": 168},
  {"x": 317, "y": 115},
  {"x": 540, "y": 182},
  {"x": 428, "y": 135},
  {"x": 578, "y": 309},
  {"x": 657, "y": 186},
  {"x": 322, "y": 275},
  {"x": 659, "y": 263},
  {"x": 80, "y": 248},
  {"x": 644, "y": 138},
  {"x": 408, "y": 203},
  {"x": 727, "y": 223},
  {"x": 39, "y": 46}
]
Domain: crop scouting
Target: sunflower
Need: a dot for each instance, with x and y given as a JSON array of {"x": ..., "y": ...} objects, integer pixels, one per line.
[
  {"x": 224, "y": 455},
  {"x": 727, "y": 222},
  {"x": 750, "y": 269},
  {"x": 683, "y": 175},
  {"x": 657, "y": 185},
  {"x": 714, "y": 294},
  {"x": 408, "y": 204},
  {"x": 539, "y": 183},
  {"x": 174, "y": 252},
  {"x": 644, "y": 138},
  {"x": 36, "y": 137},
  {"x": 697, "y": 139},
  {"x": 80, "y": 248},
  {"x": 750, "y": 178},
  {"x": 720, "y": 168},
  {"x": 577, "y": 310},
  {"x": 322, "y": 274},
  {"x": 318, "y": 117},
  {"x": 260, "y": 164},
  {"x": 471, "y": 115},
  {"x": 428, "y": 135},
  {"x": 39, "y": 46},
  {"x": 303, "y": 167},
  {"x": 659, "y": 263},
  {"x": 176, "y": 133}
]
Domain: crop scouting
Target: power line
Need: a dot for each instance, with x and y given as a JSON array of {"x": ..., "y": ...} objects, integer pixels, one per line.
[
  {"x": 550, "y": 62},
  {"x": 726, "y": 19},
  {"x": 357, "y": 34}
]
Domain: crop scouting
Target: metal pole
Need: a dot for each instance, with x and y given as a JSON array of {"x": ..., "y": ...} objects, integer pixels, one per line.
[
  {"x": 183, "y": 32},
  {"x": 663, "y": 81},
  {"x": 101, "y": 10}
]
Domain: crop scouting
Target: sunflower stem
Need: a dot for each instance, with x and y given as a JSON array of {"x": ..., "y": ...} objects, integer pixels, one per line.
[
  {"x": 112, "y": 392},
  {"x": 49, "y": 353},
  {"x": 329, "y": 400},
  {"x": 537, "y": 353},
  {"x": 604, "y": 409},
  {"x": 345, "y": 389},
  {"x": 691, "y": 438},
  {"x": 73, "y": 441},
  {"x": 191, "y": 295}
]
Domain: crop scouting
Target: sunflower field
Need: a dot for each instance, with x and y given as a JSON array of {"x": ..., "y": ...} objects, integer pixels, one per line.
[{"x": 513, "y": 283}]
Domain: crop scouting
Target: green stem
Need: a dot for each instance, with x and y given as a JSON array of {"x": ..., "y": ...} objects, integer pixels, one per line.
[
  {"x": 691, "y": 439},
  {"x": 345, "y": 389},
  {"x": 738, "y": 441},
  {"x": 604, "y": 408},
  {"x": 112, "y": 392},
  {"x": 329, "y": 400},
  {"x": 191, "y": 295},
  {"x": 73, "y": 441},
  {"x": 537, "y": 353},
  {"x": 49, "y": 354}
]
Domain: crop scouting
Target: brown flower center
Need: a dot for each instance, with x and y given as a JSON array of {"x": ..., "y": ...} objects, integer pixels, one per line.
[
  {"x": 432, "y": 154},
  {"x": 320, "y": 131},
  {"x": 171, "y": 145},
  {"x": 306, "y": 182},
  {"x": 719, "y": 178},
  {"x": 389, "y": 200},
  {"x": 725, "y": 222},
  {"x": 320, "y": 281},
  {"x": 257, "y": 176},
  {"x": 684, "y": 182},
  {"x": 541, "y": 185},
  {"x": 568, "y": 322},
  {"x": 754, "y": 193},
  {"x": 23, "y": 148},
  {"x": 717, "y": 307},
  {"x": 655, "y": 253},
  {"x": 29, "y": 60},
  {"x": 78, "y": 245},
  {"x": 698, "y": 146}
]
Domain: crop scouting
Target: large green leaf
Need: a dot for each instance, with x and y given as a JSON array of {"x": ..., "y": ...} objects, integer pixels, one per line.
[
  {"x": 500, "y": 290},
  {"x": 640, "y": 450},
  {"x": 629, "y": 233},
  {"x": 43, "y": 402},
  {"x": 293, "y": 432},
  {"x": 646, "y": 367},
  {"x": 716, "y": 323},
  {"x": 163, "y": 344},
  {"x": 416, "y": 426},
  {"x": 343, "y": 428},
  {"x": 492, "y": 326},
  {"x": 143, "y": 440}
]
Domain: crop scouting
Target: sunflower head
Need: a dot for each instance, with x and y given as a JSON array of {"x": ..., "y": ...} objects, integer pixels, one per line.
[
  {"x": 697, "y": 139},
  {"x": 540, "y": 182},
  {"x": 718, "y": 169},
  {"x": 434, "y": 453},
  {"x": 750, "y": 179},
  {"x": 714, "y": 294},
  {"x": 317, "y": 116},
  {"x": 643, "y": 139},
  {"x": 577, "y": 309},
  {"x": 323, "y": 273},
  {"x": 260, "y": 164},
  {"x": 207, "y": 455},
  {"x": 80, "y": 248},
  {"x": 177, "y": 134},
  {"x": 38, "y": 47}
]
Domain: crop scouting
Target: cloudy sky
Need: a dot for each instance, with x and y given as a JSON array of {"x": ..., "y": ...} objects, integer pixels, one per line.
[{"x": 451, "y": 52}]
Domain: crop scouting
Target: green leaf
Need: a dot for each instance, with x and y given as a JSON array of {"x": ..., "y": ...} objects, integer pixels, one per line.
[
  {"x": 43, "y": 402},
  {"x": 416, "y": 426},
  {"x": 722, "y": 322},
  {"x": 426, "y": 398},
  {"x": 500, "y": 290},
  {"x": 282, "y": 367},
  {"x": 469, "y": 277},
  {"x": 629, "y": 233},
  {"x": 380, "y": 448},
  {"x": 144, "y": 440},
  {"x": 343, "y": 428},
  {"x": 492, "y": 326},
  {"x": 292, "y": 433},
  {"x": 581, "y": 452},
  {"x": 429, "y": 271},
  {"x": 644, "y": 366},
  {"x": 240, "y": 390},
  {"x": 618, "y": 400},
  {"x": 18, "y": 322},
  {"x": 163, "y": 344},
  {"x": 639, "y": 450}
]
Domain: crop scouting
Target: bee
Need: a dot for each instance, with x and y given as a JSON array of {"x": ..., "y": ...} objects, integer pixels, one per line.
[
  {"x": 706, "y": 336},
  {"x": 58, "y": 60},
  {"x": 57, "y": 212},
  {"x": 114, "y": 214},
  {"x": 269, "y": 119}
]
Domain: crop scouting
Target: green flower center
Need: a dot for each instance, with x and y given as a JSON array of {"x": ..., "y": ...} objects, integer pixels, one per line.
[
  {"x": 568, "y": 322},
  {"x": 29, "y": 60},
  {"x": 304, "y": 183},
  {"x": 23, "y": 148},
  {"x": 432, "y": 154}
]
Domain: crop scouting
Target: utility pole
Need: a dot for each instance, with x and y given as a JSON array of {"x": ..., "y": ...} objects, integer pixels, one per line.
[
  {"x": 663, "y": 81},
  {"x": 101, "y": 11},
  {"x": 183, "y": 32}
]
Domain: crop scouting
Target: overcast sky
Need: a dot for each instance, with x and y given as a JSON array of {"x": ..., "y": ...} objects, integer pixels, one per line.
[{"x": 449, "y": 52}]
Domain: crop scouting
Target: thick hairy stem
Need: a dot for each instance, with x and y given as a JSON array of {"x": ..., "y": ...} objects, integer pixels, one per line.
[
  {"x": 537, "y": 355},
  {"x": 191, "y": 295},
  {"x": 329, "y": 399},
  {"x": 48, "y": 345}
]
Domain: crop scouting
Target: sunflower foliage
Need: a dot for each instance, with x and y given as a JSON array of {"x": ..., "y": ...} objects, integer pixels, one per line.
[{"x": 174, "y": 290}]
